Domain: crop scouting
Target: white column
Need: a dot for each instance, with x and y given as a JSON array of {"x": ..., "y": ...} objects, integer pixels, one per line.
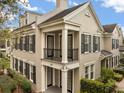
[
  {"x": 43, "y": 85},
  {"x": 64, "y": 81},
  {"x": 53, "y": 77},
  {"x": 64, "y": 46},
  {"x": 42, "y": 44},
  {"x": 73, "y": 82},
  {"x": 46, "y": 78}
]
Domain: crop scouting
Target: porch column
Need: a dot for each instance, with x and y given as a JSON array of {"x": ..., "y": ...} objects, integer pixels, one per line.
[
  {"x": 64, "y": 81},
  {"x": 42, "y": 44},
  {"x": 53, "y": 77},
  {"x": 64, "y": 46},
  {"x": 43, "y": 85}
]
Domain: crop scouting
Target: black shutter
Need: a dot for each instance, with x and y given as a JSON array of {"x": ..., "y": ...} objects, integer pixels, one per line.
[
  {"x": 34, "y": 74},
  {"x": 16, "y": 64},
  {"x": 112, "y": 43},
  {"x": 98, "y": 43},
  {"x": 94, "y": 40},
  {"x": 27, "y": 71},
  {"x": 82, "y": 43},
  {"x": 21, "y": 67},
  {"x": 89, "y": 43},
  {"x": 21, "y": 40},
  {"x": 25, "y": 43},
  {"x": 15, "y": 43},
  {"x": 33, "y": 43}
]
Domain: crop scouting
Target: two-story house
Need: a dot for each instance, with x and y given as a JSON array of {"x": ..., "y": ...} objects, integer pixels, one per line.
[
  {"x": 112, "y": 40},
  {"x": 57, "y": 49}
]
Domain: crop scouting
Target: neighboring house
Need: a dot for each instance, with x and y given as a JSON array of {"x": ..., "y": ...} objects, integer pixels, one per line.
[
  {"x": 113, "y": 38},
  {"x": 57, "y": 49}
]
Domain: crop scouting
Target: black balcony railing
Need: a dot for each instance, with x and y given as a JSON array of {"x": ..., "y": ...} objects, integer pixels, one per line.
[{"x": 56, "y": 54}]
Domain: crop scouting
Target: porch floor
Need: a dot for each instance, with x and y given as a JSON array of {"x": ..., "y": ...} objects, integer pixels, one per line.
[{"x": 54, "y": 89}]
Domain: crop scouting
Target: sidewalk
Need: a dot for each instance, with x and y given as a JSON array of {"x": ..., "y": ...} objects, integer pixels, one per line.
[{"x": 120, "y": 85}]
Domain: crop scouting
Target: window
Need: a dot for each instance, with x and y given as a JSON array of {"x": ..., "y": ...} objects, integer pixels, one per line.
[
  {"x": 32, "y": 43},
  {"x": 96, "y": 43},
  {"x": 85, "y": 43},
  {"x": 92, "y": 72},
  {"x": 33, "y": 74},
  {"x": 115, "y": 43},
  {"x": 89, "y": 71}
]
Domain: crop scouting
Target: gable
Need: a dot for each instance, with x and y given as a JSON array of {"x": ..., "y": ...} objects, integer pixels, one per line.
[{"x": 87, "y": 12}]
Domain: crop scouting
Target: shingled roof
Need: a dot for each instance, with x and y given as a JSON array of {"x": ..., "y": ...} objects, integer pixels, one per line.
[
  {"x": 106, "y": 53},
  {"x": 64, "y": 13},
  {"x": 109, "y": 28}
]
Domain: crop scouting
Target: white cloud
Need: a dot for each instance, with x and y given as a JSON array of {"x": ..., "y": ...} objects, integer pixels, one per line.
[
  {"x": 117, "y": 5},
  {"x": 53, "y": 1},
  {"x": 72, "y": 3}
]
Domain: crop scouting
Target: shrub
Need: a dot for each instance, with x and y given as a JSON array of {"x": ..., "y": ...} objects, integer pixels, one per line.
[
  {"x": 7, "y": 84},
  {"x": 93, "y": 86},
  {"x": 122, "y": 60},
  {"x": 21, "y": 81},
  {"x": 106, "y": 74},
  {"x": 120, "y": 91},
  {"x": 119, "y": 70},
  {"x": 117, "y": 77}
]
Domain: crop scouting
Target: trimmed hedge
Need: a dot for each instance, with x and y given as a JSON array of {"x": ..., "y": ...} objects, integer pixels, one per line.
[{"x": 93, "y": 86}]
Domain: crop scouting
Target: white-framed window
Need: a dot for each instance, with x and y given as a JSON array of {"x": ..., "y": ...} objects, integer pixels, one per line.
[
  {"x": 85, "y": 43},
  {"x": 90, "y": 71}
]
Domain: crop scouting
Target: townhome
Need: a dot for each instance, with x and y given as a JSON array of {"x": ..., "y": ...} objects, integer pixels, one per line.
[
  {"x": 57, "y": 49},
  {"x": 113, "y": 38}
]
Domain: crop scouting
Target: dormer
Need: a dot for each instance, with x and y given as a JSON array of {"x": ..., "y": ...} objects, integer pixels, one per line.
[{"x": 29, "y": 17}]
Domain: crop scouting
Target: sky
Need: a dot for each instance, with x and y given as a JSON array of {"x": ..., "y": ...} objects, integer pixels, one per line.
[{"x": 108, "y": 11}]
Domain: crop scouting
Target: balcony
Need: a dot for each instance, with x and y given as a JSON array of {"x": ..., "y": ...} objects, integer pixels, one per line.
[{"x": 56, "y": 54}]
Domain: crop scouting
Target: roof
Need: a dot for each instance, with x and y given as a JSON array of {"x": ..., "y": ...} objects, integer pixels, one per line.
[
  {"x": 106, "y": 53},
  {"x": 121, "y": 48},
  {"x": 109, "y": 28},
  {"x": 64, "y": 13},
  {"x": 24, "y": 26}
]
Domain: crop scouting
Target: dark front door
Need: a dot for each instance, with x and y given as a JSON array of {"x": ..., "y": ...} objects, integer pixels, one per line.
[
  {"x": 49, "y": 76},
  {"x": 50, "y": 45}
]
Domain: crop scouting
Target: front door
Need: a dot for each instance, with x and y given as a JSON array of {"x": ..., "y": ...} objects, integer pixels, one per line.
[
  {"x": 50, "y": 45},
  {"x": 49, "y": 76}
]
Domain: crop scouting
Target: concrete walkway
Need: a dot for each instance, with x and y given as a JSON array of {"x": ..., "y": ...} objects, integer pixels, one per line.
[{"x": 120, "y": 85}]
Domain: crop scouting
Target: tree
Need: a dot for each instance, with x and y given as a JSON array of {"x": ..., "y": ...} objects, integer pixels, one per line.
[
  {"x": 4, "y": 35},
  {"x": 9, "y": 8},
  {"x": 4, "y": 63}
]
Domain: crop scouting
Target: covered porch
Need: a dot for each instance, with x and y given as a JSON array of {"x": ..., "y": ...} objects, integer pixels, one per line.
[{"x": 58, "y": 80}]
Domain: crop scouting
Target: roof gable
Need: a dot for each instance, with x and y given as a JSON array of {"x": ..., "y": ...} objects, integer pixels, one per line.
[
  {"x": 109, "y": 28},
  {"x": 63, "y": 13}
]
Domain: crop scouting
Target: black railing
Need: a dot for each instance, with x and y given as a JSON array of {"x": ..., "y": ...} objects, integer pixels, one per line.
[{"x": 56, "y": 54}]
